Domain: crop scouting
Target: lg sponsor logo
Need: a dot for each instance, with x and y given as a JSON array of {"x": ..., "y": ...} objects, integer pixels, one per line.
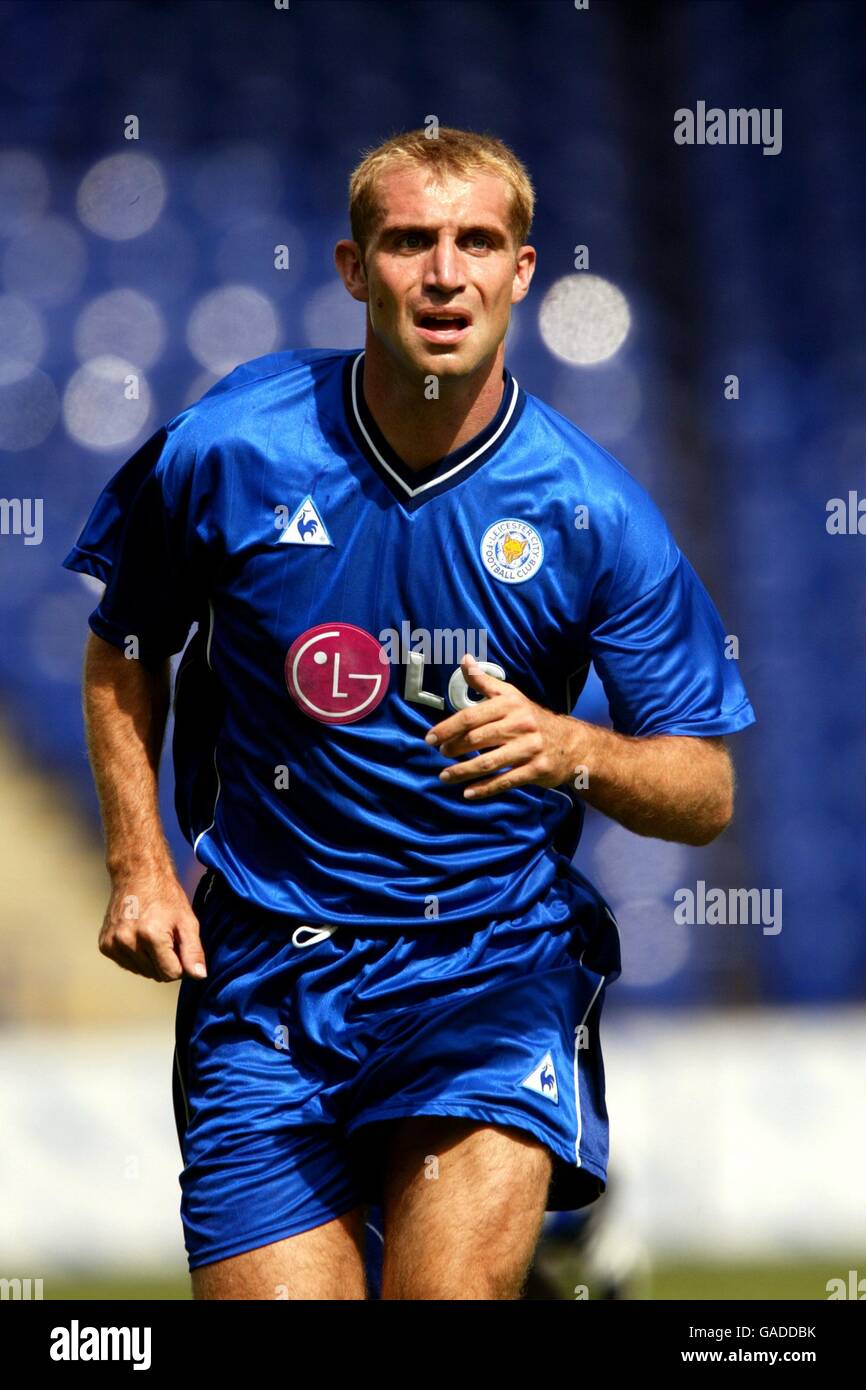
[{"x": 337, "y": 673}]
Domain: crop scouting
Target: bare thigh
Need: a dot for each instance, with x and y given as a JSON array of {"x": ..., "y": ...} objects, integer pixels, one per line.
[
  {"x": 464, "y": 1203},
  {"x": 323, "y": 1263}
]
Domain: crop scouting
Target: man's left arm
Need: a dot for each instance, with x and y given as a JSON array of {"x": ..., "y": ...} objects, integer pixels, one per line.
[{"x": 672, "y": 787}]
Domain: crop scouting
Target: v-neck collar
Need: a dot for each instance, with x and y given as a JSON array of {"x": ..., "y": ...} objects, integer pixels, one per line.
[{"x": 411, "y": 486}]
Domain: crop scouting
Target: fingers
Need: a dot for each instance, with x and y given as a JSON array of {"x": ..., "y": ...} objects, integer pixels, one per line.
[
  {"x": 505, "y": 782},
  {"x": 457, "y": 725},
  {"x": 510, "y": 755},
  {"x": 136, "y": 951},
  {"x": 128, "y": 959},
  {"x": 519, "y": 759},
  {"x": 481, "y": 680},
  {"x": 480, "y": 711},
  {"x": 163, "y": 958},
  {"x": 489, "y": 735},
  {"x": 525, "y": 767},
  {"x": 513, "y": 755},
  {"x": 189, "y": 948},
  {"x": 517, "y": 726},
  {"x": 162, "y": 943},
  {"x": 525, "y": 741}
]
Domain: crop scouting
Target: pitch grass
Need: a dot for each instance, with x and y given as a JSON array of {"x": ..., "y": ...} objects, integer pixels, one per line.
[
  {"x": 724, "y": 1283},
  {"x": 792, "y": 1280}
]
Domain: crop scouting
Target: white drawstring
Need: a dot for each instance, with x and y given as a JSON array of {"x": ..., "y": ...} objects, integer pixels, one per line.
[{"x": 318, "y": 934}]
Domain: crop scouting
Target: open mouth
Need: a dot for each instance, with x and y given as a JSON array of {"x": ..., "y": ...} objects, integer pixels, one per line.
[{"x": 443, "y": 327}]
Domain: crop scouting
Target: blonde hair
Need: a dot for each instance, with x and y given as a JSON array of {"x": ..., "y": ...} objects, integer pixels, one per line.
[{"x": 460, "y": 152}]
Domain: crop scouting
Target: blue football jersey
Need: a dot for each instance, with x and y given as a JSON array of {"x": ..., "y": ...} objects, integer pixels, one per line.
[{"x": 335, "y": 591}]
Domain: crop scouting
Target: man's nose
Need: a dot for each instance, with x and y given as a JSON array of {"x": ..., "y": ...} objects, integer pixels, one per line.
[{"x": 445, "y": 271}]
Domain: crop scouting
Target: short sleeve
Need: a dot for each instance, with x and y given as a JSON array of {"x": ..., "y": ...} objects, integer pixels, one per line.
[
  {"x": 658, "y": 643},
  {"x": 135, "y": 541}
]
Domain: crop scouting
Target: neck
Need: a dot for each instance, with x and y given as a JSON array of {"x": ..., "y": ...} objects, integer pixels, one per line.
[{"x": 419, "y": 430}]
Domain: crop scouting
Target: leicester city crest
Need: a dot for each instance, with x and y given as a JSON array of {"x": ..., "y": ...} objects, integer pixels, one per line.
[{"x": 512, "y": 550}]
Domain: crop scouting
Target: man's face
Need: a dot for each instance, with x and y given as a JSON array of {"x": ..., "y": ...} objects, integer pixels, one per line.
[{"x": 442, "y": 271}]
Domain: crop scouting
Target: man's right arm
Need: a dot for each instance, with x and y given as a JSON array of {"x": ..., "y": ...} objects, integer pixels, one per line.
[{"x": 149, "y": 926}]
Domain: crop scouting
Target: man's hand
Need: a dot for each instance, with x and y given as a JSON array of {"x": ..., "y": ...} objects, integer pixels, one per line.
[
  {"x": 536, "y": 745},
  {"x": 673, "y": 786},
  {"x": 150, "y": 927}
]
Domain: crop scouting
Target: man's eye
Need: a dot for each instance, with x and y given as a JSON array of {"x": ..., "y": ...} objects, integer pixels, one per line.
[{"x": 412, "y": 240}]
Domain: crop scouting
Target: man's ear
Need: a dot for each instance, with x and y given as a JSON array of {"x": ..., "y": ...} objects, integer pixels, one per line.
[{"x": 350, "y": 265}]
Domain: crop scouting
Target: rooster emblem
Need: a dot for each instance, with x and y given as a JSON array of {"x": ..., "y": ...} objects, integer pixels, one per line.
[{"x": 307, "y": 526}]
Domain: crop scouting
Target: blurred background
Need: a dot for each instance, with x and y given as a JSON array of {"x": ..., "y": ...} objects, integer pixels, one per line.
[{"x": 734, "y": 1054}]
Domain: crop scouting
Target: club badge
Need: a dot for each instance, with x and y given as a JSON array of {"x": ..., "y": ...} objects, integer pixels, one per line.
[{"x": 512, "y": 550}]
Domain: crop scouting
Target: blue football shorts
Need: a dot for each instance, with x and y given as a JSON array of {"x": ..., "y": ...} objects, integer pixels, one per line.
[{"x": 304, "y": 1041}]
